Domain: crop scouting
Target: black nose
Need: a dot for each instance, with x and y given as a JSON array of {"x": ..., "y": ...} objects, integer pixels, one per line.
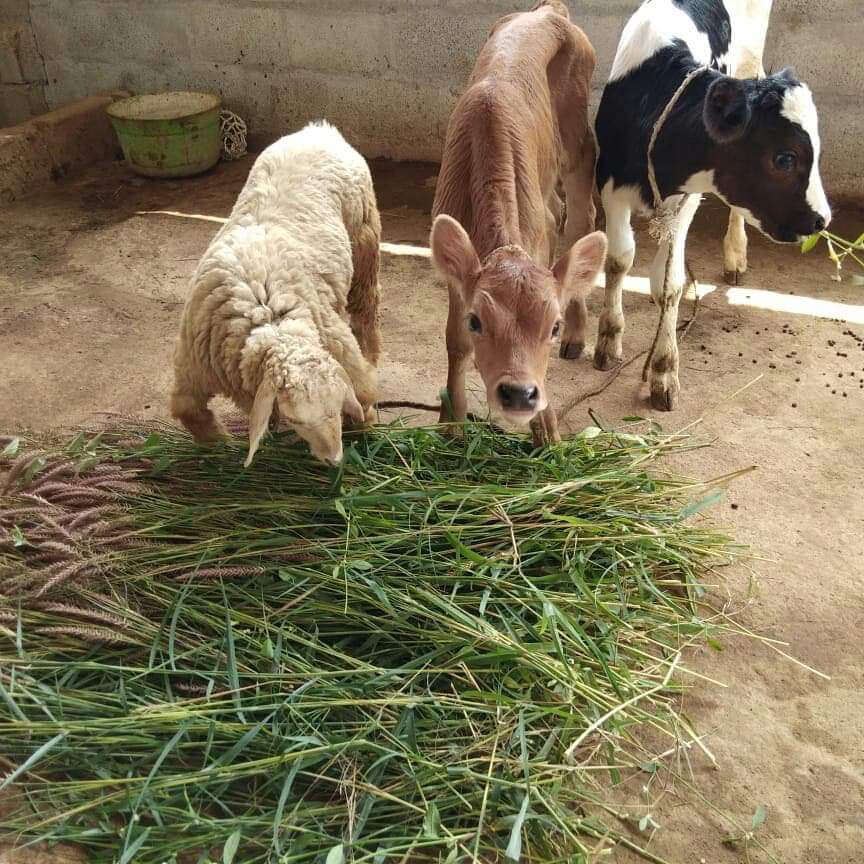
[
  {"x": 818, "y": 225},
  {"x": 514, "y": 397}
]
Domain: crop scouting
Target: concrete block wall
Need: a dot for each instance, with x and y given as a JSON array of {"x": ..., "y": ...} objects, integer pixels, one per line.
[
  {"x": 388, "y": 71},
  {"x": 22, "y": 72}
]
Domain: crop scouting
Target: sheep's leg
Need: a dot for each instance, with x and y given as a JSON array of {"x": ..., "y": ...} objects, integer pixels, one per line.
[
  {"x": 190, "y": 408},
  {"x": 458, "y": 354},
  {"x": 364, "y": 293}
]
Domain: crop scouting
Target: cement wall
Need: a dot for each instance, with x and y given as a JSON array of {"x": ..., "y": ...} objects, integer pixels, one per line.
[
  {"x": 388, "y": 71},
  {"x": 22, "y": 72}
]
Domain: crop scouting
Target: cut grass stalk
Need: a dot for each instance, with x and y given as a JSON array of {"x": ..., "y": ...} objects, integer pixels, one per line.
[{"x": 441, "y": 651}]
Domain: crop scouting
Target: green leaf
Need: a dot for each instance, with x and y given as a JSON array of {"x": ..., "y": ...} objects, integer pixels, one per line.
[
  {"x": 233, "y": 675},
  {"x": 703, "y": 503},
  {"x": 231, "y": 846},
  {"x": 644, "y": 822},
  {"x": 18, "y": 538},
  {"x": 719, "y": 647},
  {"x": 589, "y": 432},
  {"x": 810, "y": 243},
  {"x": 336, "y": 855},
  {"x": 25, "y": 766},
  {"x": 10, "y": 449},
  {"x": 648, "y": 767},
  {"x": 514, "y": 846},
  {"x": 759, "y": 817},
  {"x": 132, "y": 848},
  {"x": 432, "y": 822},
  {"x": 32, "y": 470},
  {"x": 633, "y": 439},
  {"x": 160, "y": 465}
]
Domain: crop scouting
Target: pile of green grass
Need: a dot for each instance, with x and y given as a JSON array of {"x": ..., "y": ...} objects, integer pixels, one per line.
[{"x": 443, "y": 651}]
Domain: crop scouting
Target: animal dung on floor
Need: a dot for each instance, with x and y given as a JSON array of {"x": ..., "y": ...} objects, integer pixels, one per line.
[{"x": 433, "y": 647}]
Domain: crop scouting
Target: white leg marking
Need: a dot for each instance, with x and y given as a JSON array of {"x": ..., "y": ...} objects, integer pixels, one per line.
[
  {"x": 735, "y": 249},
  {"x": 663, "y": 372},
  {"x": 618, "y": 205}
]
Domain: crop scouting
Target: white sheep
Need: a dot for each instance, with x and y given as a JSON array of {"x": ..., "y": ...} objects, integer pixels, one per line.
[{"x": 264, "y": 322}]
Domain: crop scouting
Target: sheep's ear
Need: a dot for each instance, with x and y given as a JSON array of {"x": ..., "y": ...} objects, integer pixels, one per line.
[
  {"x": 352, "y": 408},
  {"x": 259, "y": 418},
  {"x": 453, "y": 254}
]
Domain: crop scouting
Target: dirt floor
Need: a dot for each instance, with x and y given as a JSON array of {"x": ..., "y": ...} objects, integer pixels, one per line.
[{"x": 90, "y": 297}]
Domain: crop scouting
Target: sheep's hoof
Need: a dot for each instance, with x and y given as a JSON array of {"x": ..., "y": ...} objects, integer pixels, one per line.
[{"x": 733, "y": 277}]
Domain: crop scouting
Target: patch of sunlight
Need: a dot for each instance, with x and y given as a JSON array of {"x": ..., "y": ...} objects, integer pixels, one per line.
[
  {"x": 406, "y": 249},
  {"x": 220, "y": 219},
  {"x": 795, "y": 305},
  {"x": 642, "y": 285},
  {"x": 756, "y": 297}
]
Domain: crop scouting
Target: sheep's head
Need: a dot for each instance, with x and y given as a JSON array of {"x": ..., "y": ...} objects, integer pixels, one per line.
[{"x": 312, "y": 402}]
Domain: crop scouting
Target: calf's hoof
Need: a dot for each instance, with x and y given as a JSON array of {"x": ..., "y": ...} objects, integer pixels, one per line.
[
  {"x": 665, "y": 391},
  {"x": 605, "y": 356},
  {"x": 571, "y": 350},
  {"x": 733, "y": 277}
]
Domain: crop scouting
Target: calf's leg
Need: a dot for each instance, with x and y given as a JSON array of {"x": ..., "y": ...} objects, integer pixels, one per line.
[
  {"x": 458, "y": 355},
  {"x": 544, "y": 428},
  {"x": 617, "y": 205},
  {"x": 581, "y": 216},
  {"x": 668, "y": 278},
  {"x": 746, "y": 62},
  {"x": 735, "y": 250}
]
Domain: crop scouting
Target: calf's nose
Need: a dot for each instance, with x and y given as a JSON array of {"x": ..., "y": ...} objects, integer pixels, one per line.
[
  {"x": 818, "y": 224},
  {"x": 516, "y": 397}
]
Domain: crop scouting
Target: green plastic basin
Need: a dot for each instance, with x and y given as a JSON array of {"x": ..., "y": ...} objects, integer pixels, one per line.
[{"x": 168, "y": 134}]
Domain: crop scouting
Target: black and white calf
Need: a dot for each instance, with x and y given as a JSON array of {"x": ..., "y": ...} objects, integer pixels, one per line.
[{"x": 752, "y": 141}]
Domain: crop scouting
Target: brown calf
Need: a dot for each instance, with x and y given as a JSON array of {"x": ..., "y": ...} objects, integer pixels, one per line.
[{"x": 520, "y": 127}]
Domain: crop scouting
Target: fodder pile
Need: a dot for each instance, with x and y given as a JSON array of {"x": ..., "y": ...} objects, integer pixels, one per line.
[{"x": 442, "y": 651}]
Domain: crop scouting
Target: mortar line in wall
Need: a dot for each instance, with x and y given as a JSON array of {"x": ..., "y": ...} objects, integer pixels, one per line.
[{"x": 44, "y": 81}]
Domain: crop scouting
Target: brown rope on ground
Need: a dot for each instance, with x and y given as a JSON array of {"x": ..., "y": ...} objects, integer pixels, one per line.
[
  {"x": 417, "y": 406},
  {"x": 683, "y": 329}
]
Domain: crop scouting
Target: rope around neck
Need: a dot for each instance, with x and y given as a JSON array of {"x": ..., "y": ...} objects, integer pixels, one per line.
[{"x": 663, "y": 223}]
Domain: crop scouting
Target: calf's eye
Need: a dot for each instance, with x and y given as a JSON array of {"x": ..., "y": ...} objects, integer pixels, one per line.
[
  {"x": 474, "y": 324},
  {"x": 556, "y": 329},
  {"x": 785, "y": 162}
]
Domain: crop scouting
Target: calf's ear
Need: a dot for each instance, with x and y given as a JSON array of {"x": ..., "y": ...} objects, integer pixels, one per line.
[
  {"x": 727, "y": 112},
  {"x": 576, "y": 270},
  {"x": 453, "y": 253}
]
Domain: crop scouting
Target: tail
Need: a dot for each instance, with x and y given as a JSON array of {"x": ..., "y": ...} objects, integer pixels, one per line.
[{"x": 556, "y": 6}]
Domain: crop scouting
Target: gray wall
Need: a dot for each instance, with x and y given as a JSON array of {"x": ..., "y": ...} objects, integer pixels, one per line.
[
  {"x": 22, "y": 72},
  {"x": 388, "y": 71}
]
